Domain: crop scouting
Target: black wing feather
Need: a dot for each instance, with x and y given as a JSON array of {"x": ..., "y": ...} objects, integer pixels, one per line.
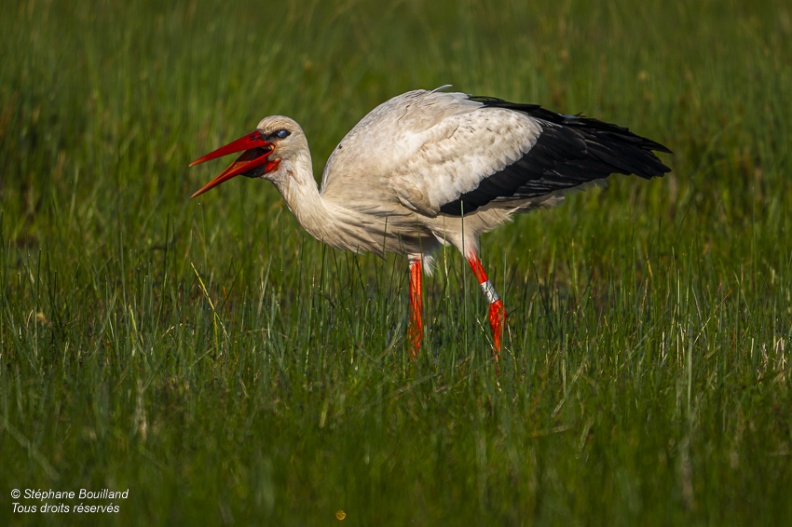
[{"x": 570, "y": 151}]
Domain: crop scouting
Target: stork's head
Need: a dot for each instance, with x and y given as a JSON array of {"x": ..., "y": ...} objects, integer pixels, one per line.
[{"x": 275, "y": 139}]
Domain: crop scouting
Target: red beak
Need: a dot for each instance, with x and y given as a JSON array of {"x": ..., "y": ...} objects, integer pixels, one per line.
[{"x": 256, "y": 153}]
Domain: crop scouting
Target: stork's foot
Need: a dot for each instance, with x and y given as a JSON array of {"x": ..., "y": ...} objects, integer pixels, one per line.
[
  {"x": 497, "y": 319},
  {"x": 415, "y": 332}
]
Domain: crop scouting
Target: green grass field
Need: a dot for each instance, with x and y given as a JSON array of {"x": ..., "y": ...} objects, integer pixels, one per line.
[{"x": 228, "y": 369}]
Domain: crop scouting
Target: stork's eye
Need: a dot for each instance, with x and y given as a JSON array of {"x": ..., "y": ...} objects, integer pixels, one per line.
[{"x": 282, "y": 134}]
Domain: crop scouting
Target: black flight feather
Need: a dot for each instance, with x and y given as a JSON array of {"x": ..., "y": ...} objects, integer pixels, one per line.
[{"x": 570, "y": 151}]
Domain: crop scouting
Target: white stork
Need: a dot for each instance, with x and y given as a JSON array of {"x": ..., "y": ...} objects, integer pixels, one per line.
[{"x": 432, "y": 168}]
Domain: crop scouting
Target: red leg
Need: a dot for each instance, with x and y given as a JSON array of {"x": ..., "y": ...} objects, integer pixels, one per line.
[
  {"x": 497, "y": 313},
  {"x": 416, "y": 306}
]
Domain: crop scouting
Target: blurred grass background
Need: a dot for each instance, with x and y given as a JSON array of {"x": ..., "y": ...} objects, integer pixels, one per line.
[{"x": 228, "y": 369}]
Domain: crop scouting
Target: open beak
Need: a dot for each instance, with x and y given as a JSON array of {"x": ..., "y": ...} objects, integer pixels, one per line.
[{"x": 255, "y": 153}]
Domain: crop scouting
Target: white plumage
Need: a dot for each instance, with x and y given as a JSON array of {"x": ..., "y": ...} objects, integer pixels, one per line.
[{"x": 429, "y": 168}]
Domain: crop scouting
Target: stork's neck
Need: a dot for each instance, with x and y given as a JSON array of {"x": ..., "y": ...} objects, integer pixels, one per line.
[
  {"x": 296, "y": 184},
  {"x": 325, "y": 220}
]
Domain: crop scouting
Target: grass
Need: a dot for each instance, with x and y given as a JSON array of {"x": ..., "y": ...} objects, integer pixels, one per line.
[{"x": 227, "y": 369}]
